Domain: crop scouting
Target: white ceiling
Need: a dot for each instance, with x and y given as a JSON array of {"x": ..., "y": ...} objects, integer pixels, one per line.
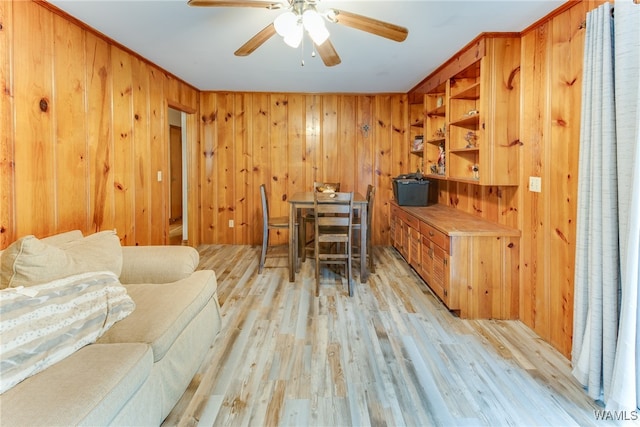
[{"x": 197, "y": 43}]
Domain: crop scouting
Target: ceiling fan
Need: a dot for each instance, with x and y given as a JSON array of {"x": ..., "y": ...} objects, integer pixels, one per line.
[{"x": 301, "y": 15}]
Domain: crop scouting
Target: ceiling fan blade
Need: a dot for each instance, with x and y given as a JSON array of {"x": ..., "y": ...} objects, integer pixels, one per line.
[
  {"x": 328, "y": 53},
  {"x": 370, "y": 25},
  {"x": 236, "y": 3},
  {"x": 256, "y": 41}
]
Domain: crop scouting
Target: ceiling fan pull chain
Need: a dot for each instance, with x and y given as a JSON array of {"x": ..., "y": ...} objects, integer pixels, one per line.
[{"x": 302, "y": 53}]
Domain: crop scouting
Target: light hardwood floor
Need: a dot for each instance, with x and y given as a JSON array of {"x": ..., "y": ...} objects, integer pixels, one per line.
[{"x": 390, "y": 355}]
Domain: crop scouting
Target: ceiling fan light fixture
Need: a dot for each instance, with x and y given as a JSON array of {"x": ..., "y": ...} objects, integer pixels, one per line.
[
  {"x": 314, "y": 24},
  {"x": 294, "y": 37},
  {"x": 286, "y": 23}
]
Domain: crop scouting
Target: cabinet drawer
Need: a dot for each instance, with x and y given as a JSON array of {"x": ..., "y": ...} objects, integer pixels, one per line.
[
  {"x": 395, "y": 212},
  {"x": 437, "y": 237},
  {"x": 411, "y": 221}
]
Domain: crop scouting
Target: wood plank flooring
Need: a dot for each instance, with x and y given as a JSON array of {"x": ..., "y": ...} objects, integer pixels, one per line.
[{"x": 392, "y": 355}]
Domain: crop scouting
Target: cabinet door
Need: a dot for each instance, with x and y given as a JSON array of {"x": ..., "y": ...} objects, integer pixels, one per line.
[
  {"x": 404, "y": 238},
  {"x": 440, "y": 274},
  {"x": 414, "y": 248},
  {"x": 426, "y": 264},
  {"x": 392, "y": 232}
]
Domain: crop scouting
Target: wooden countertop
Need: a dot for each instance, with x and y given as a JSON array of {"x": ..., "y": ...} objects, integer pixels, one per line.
[{"x": 457, "y": 223}]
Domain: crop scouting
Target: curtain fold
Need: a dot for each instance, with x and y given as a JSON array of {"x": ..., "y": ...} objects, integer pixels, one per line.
[
  {"x": 625, "y": 388},
  {"x": 596, "y": 278},
  {"x": 605, "y": 342}
]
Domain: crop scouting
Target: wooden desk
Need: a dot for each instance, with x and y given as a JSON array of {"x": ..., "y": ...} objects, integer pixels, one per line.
[{"x": 304, "y": 200}]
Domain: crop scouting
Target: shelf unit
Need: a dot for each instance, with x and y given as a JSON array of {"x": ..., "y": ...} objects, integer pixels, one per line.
[
  {"x": 465, "y": 127},
  {"x": 417, "y": 125},
  {"x": 472, "y": 113},
  {"x": 436, "y": 130}
]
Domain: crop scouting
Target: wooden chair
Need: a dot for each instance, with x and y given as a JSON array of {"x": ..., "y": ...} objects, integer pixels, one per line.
[
  {"x": 357, "y": 226},
  {"x": 308, "y": 217},
  {"x": 269, "y": 223},
  {"x": 333, "y": 220}
]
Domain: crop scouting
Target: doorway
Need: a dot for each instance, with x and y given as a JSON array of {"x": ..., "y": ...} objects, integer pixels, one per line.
[{"x": 177, "y": 178}]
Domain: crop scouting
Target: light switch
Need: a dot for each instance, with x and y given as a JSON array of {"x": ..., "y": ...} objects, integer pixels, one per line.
[
  {"x": 535, "y": 184},
  {"x": 159, "y": 176},
  {"x": 230, "y": 223}
]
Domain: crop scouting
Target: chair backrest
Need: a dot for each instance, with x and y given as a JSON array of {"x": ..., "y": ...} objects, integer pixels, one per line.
[
  {"x": 326, "y": 186},
  {"x": 333, "y": 209},
  {"x": 371, "y": 194},
  {"x": 265, "y": 205}
]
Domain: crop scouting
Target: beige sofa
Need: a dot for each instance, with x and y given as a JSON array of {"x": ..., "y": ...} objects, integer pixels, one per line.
[{"x": 137, "y": 370}]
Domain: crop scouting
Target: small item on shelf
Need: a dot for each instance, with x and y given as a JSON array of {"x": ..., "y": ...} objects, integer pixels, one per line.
[
  {"x": 434, "y": 169},
  {"x": 471, "y": 113},
  {"x": 439, "y": 101},
  {"x": 472, "y": 139},
  {"x": 441, "y": 159},
  {"x": 475, "y": 170},
  {"x": 418, "y": 143},
  {"x": 439, "y": 133}
]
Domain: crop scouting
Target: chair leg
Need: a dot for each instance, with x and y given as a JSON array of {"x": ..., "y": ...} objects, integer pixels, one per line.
[
  {"x": 349, "y": 279},
  {"x": 302, "y": 236},
  {"x": 296, "y": 239},
  {"x": 317, "y": 257},
  {"x": 263, "y": 255}
]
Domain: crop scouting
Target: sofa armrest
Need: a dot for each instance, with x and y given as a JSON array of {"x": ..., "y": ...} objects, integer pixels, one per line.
[{"x": 157, "y": 264}]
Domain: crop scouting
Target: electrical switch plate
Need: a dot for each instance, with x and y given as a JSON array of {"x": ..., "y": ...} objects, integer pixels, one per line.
[
  {"x": 159, "y": 176},
  {"x": 230, "y": 223},
  {"x": 535, "y": 184}
]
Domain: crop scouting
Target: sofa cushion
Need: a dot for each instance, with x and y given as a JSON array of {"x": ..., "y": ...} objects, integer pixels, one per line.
[
  {"x": 157, "y": 264},
  {"x": 43, "y": 324},
  {"x": 89, "y": 387},
  {"x": 62, "y": 239},
  {"x": 164, "y": 310},
  {"x": 30, "y": 261}
]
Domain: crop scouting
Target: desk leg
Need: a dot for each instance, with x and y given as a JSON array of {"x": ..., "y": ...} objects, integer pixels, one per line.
[
  {"x": 363, "y": 245},
  {"x": 292, "y": 246}
]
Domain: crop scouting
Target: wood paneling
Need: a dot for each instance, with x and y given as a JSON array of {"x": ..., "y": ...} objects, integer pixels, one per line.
[
  {"x": 552, "y": 62},
  {"x": 84, "y": 131},
  {"x": 7, "y": 159},
  {"x": 550, "y": 75},
  {"x": 288, "y": 141},
  {"x": 34, "y": 106},
  {"x": 71, "y": 169},
  {"x": 550, "y": 79}
]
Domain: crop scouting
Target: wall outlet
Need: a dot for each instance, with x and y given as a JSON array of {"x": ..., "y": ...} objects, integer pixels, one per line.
[
  {"x": 230, "y": 223},
  {"x": 159, "y": 176},
  {"x": 535, "y": 184}
]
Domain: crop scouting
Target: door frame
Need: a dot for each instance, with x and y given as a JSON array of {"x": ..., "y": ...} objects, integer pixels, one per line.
[{"x": 190, "y": 173}]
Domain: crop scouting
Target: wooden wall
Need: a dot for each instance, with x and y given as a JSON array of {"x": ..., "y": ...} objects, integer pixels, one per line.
[
  {"x": 83, "y": 130},
  {"x": 288, "y": 141},
  {"x": 552, "y": 57},
  {"x": 551, "y": 80}
]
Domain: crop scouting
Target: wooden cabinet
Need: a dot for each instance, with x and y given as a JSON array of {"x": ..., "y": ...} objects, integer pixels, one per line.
[
  {"x": 472, "y": 106},
  {"x": 435, "y": 260},
  {"x": 471, "y": 264},
  {"x": 435, "y": 271},
  {"x": 406, "y": 235}
]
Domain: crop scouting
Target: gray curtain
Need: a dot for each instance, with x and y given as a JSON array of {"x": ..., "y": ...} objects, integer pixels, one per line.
[
  {"x": 625, "y": 388},
  {"x": 605, "y": 349}
]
